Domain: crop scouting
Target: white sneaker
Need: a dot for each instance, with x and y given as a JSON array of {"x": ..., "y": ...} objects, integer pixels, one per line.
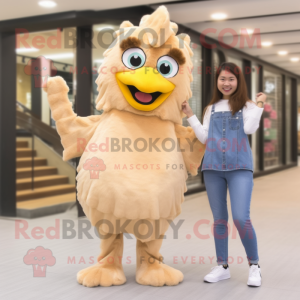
[
  {"x": 254, "y": 278},
  {"x": 217, "y": 273}
]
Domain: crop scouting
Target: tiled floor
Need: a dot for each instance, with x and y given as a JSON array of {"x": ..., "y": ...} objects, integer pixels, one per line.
[{"x": 275, "y": 210}]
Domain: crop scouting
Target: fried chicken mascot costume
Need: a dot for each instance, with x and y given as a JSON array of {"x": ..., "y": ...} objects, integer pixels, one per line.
[{"x": 136, "y": 155}]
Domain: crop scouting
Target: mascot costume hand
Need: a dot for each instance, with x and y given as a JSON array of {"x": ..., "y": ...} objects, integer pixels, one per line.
[{"x": 136, "y": 155}]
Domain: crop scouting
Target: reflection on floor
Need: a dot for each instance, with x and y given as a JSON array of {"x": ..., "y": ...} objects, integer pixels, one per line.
[{"x": 275, "y": 211}]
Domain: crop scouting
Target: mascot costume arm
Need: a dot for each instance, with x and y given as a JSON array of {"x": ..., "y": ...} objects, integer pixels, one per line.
[
  {"x": 75, "y": 132},
  {"x": 192, "y": 149}
]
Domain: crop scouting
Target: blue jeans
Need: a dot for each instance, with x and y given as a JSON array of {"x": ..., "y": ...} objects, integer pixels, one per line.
[{"x": 240, "y": 184}]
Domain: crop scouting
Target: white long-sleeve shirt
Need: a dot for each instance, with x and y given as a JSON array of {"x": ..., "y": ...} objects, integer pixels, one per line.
[{"x": 251, "y": 117}]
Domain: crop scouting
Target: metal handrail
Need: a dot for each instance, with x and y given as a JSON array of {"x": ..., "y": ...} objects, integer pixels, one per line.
[{"x": 25, "y": 109}]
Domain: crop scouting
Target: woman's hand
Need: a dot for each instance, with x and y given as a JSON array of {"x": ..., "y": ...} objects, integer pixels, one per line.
[
  {"x": 187, "y": 109},
  {"x": 261, "y": 97}
]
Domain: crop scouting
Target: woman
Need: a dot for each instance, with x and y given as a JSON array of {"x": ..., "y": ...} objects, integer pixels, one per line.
[{"x": 228, "y": 118}]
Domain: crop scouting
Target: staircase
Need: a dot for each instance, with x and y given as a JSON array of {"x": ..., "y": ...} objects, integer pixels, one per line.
[{"x": 52, "y": 192}]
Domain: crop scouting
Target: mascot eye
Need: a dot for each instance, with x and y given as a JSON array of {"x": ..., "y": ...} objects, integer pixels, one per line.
[
  {"x": 133, "y": 58},
  {"x": 36, "y": 68},
  {"x": 167, "y": 66}
]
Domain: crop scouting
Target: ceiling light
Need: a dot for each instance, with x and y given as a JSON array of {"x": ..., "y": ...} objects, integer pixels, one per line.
[
  {"x": 60, "y": 55},
  {"x": 25, "y": 50},
  {"x": 295, "y": 59},
  {"x": 266, "y": 44},
  {"x": 104, "y": 28},
  {"x": 247, "y": 31},
  {"x": 218, "y": 16},
  {"x": 47, "y": 4},
  {"x": 282, "y": 52}
]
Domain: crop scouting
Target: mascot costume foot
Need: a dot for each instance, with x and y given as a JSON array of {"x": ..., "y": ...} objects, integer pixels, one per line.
[{"x": 135, "y": 156}]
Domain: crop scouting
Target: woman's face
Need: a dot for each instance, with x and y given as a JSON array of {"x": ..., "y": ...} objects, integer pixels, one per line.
[{"x": 227, "y": 83}]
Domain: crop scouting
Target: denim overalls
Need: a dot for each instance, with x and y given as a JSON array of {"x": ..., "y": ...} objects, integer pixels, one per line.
[
  {"x": 227, "y": 145},
  {"x": 228, "y": 149}
]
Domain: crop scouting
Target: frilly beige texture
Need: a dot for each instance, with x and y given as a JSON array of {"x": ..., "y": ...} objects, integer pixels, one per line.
[{"x": 110, "y": 96}]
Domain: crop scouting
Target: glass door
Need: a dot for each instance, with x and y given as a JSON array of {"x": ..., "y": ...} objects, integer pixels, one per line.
[
  {"x": 41, "y": 55},
  {"x": 272, "y": 83}
]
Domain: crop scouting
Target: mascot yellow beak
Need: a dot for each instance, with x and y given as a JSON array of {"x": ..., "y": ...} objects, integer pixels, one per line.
[{"x": 144, "y": 88}]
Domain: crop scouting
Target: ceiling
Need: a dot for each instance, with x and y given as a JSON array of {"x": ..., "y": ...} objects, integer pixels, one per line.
[
  {"x": 19, "y": 8},
  {"x": 276, "y": 21}
]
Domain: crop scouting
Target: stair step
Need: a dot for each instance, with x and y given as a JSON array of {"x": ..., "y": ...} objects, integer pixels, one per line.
[
  {"x": 38, "y": 171},
  {"x": 22, "y": 144},
  {"x": 25, "y": 152},
  {"x": 24, "y": 162},
  {"x": 42, "y": 181},
  {"x": 46, "y": 201},
  {"x": 45, "y": 192},
  {"x": 45, "y": 206}
]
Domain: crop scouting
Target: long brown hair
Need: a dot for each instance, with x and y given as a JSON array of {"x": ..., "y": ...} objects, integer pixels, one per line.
[{"x": 240, "y": 96}]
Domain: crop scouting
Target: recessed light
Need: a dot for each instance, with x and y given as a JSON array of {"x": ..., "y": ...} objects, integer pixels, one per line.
[
  {"x": 59, "y": 55},
  {"x": 25, "y": 50},
  {"x": 47, "y": 4},
  {"x": 218, "y": 16},
  {"x": 295, "y": 59},
  {"x": 282, "y": 52},
  {"x": 266, "y": 44},
  {"x": 246, "y": 31},
  {"x": 108, "y": 27}
]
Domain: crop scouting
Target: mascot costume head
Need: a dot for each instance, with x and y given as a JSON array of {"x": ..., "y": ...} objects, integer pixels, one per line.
[{"x": 136, "y": 155}]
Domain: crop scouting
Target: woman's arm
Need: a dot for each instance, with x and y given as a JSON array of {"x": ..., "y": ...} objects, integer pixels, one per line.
[
  {"x": 201, "y": 131},
  {"x": 252, "y": 114}
]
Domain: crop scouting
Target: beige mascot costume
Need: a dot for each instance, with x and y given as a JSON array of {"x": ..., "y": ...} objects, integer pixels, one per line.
[{"x": 136, "y": 155}]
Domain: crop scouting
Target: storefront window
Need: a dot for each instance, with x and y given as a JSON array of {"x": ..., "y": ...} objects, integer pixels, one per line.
[
  {"x": 41, "y": 55},
  {"x": 216, "y": 62},
  {"x": 288, "y": 125},
  {"x": 272, "y": 120},
  {"x": 195, "y": 102},
  {"x": 102, "y": 39},
  {"x": 236, "y": 61},
  {"x": 298, "y": 95},
  {"x": 255, "y": 135}
]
